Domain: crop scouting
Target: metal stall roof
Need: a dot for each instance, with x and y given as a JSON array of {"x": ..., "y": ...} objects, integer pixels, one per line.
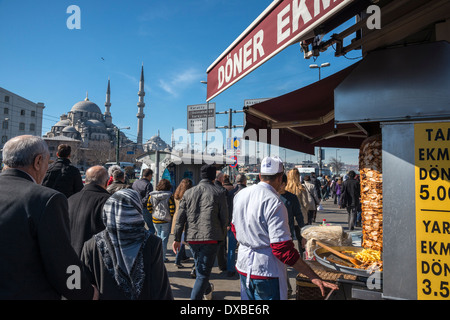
[
  {"x": 406, "y": 83},
  {"x": 305, "y": 117}
]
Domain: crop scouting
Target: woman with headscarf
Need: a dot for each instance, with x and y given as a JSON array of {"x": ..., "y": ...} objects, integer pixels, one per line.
[{"x": 125, "y": 260}]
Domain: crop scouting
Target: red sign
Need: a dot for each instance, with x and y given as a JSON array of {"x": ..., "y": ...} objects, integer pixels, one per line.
[
  {"x": 234, "y": 158},
  {"x": 283, "y": 23}
]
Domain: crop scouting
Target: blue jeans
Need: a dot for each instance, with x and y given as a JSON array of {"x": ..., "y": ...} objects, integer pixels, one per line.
[
  {"x": 148, "y": 219},
  {"x": 204, "y": 256},
  {"x": 231, "y": 258},
  {"x": 267, "y": 289},
  {"x": 181, "y": 254},
  {"x": 163, "y": 231}
]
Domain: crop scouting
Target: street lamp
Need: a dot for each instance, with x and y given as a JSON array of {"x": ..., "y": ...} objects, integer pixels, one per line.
[
  {"x": 207, "y": 118},
  {"x": 323, "y": 65},
  {"x": 118, "y": 142},
  {"x": 337, "y": 161},
  {"x": 315, "y": 66}
]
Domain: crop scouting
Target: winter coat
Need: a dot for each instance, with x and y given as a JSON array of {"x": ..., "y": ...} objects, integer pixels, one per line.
[
  {"x": 351, "y": 193},
  {"x": 161, "y": 206},
  {"x": 116, "y": 185},
  {"x": 86, "y": 214},
  {"x": 63, "y": 177},
  {"x": 203, "y": 213},
  {"x": 310, "y": 198}
]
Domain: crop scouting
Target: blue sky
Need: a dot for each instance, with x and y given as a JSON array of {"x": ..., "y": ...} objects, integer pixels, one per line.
[{"x": 177, "y": 40}]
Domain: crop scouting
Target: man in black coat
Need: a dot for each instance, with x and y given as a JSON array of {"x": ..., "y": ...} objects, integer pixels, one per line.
[
  {"x": 221, "y": 252},
  {"x": 63, "y": 176},
  {"x": 86, "y": 207},
  {"x": 144, "y": 187},
  {"x": 350, "y": 197},
  {"x": 36, "y": 258}
]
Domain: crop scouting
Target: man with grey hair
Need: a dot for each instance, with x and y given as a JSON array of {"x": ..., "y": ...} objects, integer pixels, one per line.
[
  {"x": 37, "y": 260},
  {"x": 86, "y": 207}
]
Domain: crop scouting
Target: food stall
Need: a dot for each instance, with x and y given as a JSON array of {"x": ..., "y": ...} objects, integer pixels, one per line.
[
  {"x": 400, "y": 98},
  {"x": 394, "y": 106},
  {"x": 176, "y": 165}
]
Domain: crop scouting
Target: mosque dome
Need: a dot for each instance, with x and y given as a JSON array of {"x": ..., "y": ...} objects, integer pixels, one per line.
[
  {"x": 86, "y": 106},
  {"x": 94, "y": 123},
  {"x": 62, "y": 123},
  {"x": 156, "y": 143},
  {"x": 69, "y": 129}
]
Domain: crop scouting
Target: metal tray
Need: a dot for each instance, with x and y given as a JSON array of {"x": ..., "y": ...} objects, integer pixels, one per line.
[{"x": 321, "y": 255}]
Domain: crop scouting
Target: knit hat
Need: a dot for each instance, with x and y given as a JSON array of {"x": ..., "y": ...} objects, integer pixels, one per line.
[{"x": 208, "y": 171}]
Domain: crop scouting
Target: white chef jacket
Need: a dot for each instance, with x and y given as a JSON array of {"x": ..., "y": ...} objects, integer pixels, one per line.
[{"x": 260, "y": 218}]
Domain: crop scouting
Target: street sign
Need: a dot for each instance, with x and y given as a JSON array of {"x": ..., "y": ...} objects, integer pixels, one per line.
[
  {"x": 201, "y": 116},
  {"x": 251, "y": 102},
  {"x": 234, "y": 146}
]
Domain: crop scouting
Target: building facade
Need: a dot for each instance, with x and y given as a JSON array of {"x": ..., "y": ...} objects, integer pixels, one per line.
[{"x": 19, "y": 116}]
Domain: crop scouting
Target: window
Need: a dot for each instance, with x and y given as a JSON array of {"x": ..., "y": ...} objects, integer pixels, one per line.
[
  {"x": 22, "y": 112},
  {"x": 21, "y": 126},
  {"x": 4, "y": 139},
  {"x": 7, "y": 99},
  {"x": 33, "y": 113},
  {"x": 32, "y": 126},
  {"x": 5, "y": 124},
  {"x": 5, "y": 111}
]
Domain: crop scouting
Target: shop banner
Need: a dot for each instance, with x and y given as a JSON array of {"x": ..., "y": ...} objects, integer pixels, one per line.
[
  {"x": 432, "y": 179},
  {"x": 283, "y": 23}
]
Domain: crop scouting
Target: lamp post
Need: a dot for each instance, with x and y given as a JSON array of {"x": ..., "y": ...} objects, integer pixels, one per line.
[
  {"x": 323, "y": 65},
  {"x": 118, "y": 142},
  {"x": 337, "y": 161},
  {"x": 315, "y": 66},
  {"x": 207, "y": 120}
]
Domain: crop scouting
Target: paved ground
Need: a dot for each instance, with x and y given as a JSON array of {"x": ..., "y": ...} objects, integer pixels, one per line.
[{"x": 227, "y": 288}]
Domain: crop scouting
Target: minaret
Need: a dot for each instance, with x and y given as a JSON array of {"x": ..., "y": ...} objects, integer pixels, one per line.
[
  {"x": 140, "y": 115},
  {"x": 108, "y": 118}
]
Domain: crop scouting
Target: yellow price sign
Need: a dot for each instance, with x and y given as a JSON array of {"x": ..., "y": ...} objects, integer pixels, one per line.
[{"x": 432, "y": 196}]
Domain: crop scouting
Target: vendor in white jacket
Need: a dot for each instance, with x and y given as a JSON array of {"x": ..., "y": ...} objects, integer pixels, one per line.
[{"x": 260, "y": 223}]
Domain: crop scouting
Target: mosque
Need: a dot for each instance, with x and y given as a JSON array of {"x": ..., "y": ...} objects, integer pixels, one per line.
[{"x": 92, "y": 134}]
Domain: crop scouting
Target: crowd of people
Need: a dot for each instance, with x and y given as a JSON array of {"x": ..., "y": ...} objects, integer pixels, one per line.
[{"x": 116, "y": 233}]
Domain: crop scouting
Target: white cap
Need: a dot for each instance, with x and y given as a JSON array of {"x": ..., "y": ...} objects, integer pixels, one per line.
[{"x": 271, "y": 166}]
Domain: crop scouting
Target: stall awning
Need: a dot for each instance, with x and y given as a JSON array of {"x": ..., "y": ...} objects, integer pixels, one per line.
[{"x": 305, "y": 118}]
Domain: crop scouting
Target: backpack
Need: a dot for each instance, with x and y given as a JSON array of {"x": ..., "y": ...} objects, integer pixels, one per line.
[
  {"x": 160, "y": 204},
  {"x": 53, "y": 176}
]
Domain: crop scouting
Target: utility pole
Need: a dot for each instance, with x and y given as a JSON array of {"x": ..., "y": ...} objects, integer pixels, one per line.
[
  {"x": 229, "y": 127},
  {"x": 315, "y": 66},
  {"x": 118, "y": 143}
]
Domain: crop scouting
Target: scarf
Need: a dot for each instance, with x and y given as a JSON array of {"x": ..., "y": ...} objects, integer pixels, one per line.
[{"x": 121, "y": 243}]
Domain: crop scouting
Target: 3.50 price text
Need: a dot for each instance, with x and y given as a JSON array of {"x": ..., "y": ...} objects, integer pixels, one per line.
[{"x": 443, "y": 291}]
